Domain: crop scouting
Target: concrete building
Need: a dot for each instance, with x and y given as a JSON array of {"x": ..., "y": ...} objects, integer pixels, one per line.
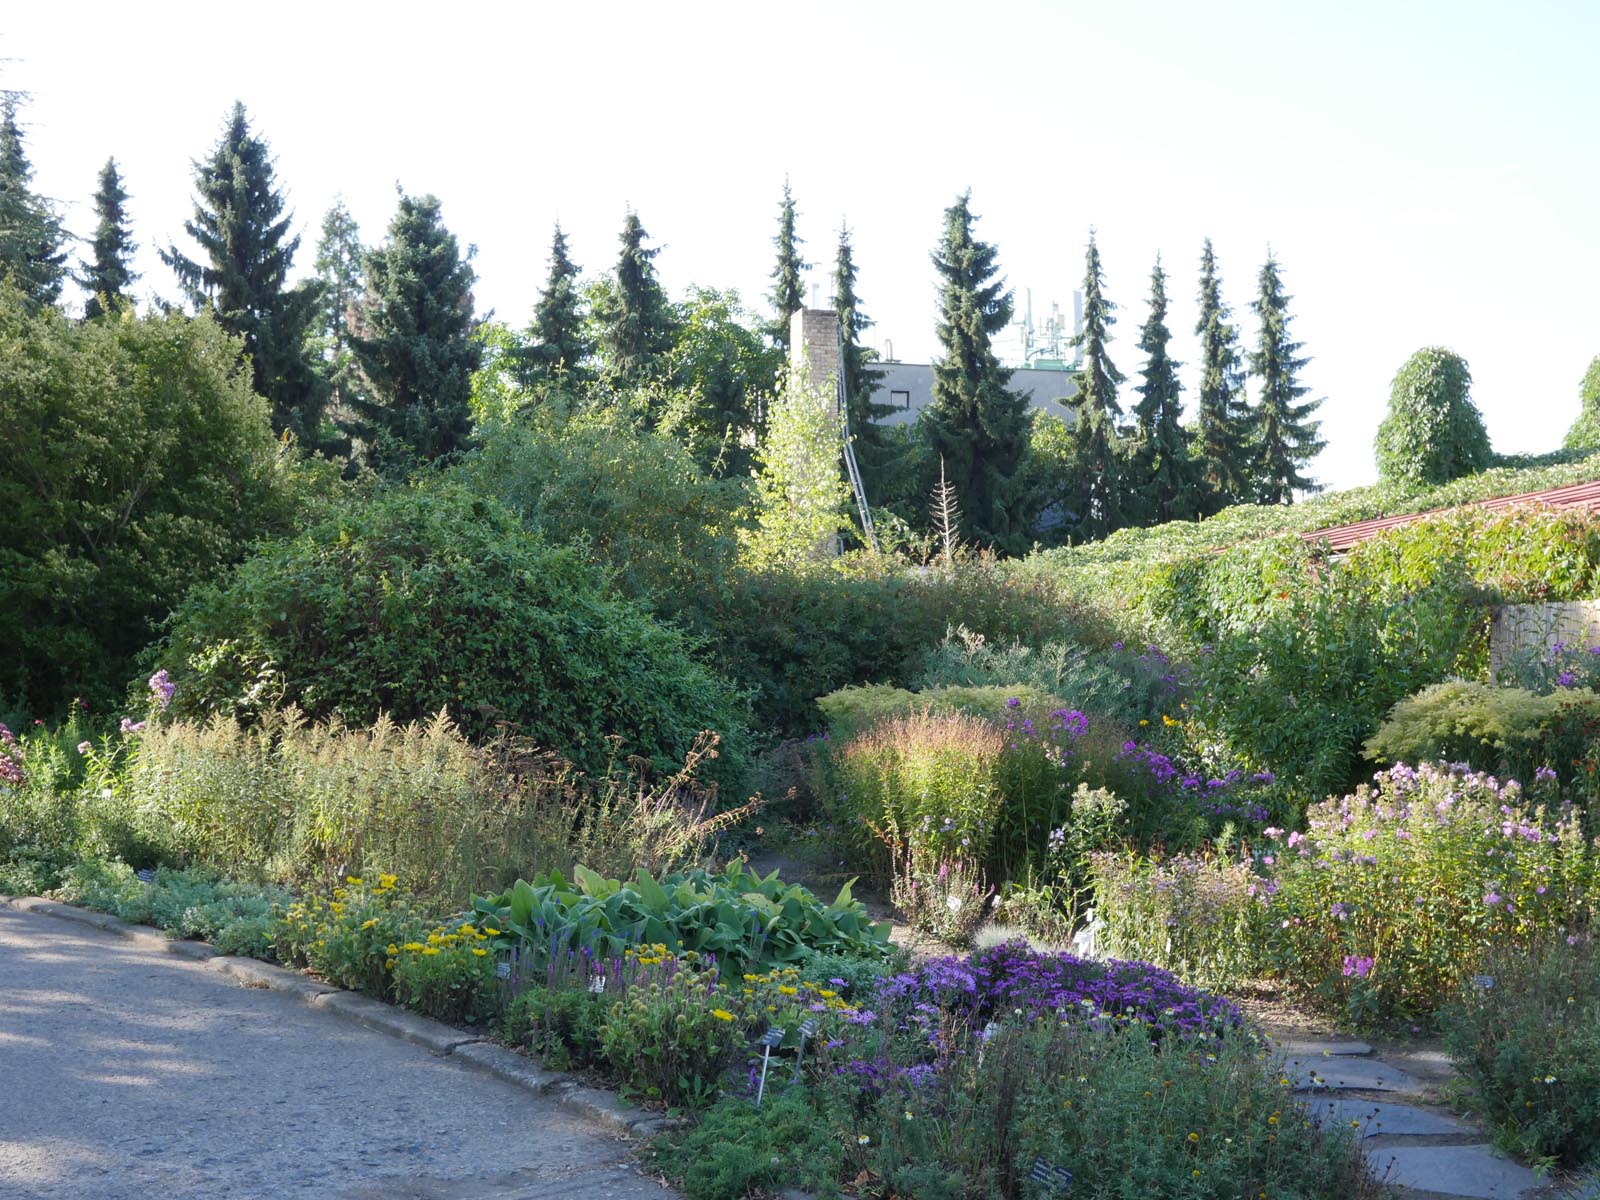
[{"x": 908, "y": 387}]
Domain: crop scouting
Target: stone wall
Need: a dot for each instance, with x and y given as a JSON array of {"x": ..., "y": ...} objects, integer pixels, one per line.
[{"x": 1515, "y": 627}]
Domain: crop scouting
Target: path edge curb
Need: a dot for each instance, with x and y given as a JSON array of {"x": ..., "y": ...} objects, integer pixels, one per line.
[{"x": 480, "y": 1053}]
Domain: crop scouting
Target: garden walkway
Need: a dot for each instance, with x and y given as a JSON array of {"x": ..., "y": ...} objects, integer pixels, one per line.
[{"x": 126, "y": 1070}]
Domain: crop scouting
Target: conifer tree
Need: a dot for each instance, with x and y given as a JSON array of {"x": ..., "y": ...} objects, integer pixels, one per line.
[
  {"x": 975, "y": 421},
  {"x": 635, "y": 320},
  {"x": 788, "y": 293},
  {"x": 1165, "y": 473},
  {"x": 107, "y": 274},
  {"x": 32, "y": 241},
  {"x": 339, "y": 270},
  {"x": 560, "y": 345},
  {"x": 415, "y": 344},
  {"x": 1287, "y": 438},
  {"x": 242, "y": 274},
  {"x": 1225, "y": 431},
  {"x": 1096, "y": 436},
  {"x": 861, "y": 381}
]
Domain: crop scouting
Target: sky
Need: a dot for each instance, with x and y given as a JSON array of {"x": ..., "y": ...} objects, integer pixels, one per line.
[{"x": 1424, "y": 172}]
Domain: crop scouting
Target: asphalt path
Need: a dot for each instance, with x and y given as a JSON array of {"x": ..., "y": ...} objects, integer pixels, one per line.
[{"x": 127, "y": 1073}]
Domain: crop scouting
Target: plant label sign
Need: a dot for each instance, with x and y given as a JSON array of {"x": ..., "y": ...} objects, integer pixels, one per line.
[
  {"x": 502, "y": 970},
  {"x": 1484, "y": 981},
  {"x": 597, "y": 985},
  {"x": 1052, "y": 1178},
  {"x": 772, "y": 1038}
]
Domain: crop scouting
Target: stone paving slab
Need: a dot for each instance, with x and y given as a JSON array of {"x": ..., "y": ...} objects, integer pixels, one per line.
[
  {"x": 1468, "y": 1171},
  {"x": 1349, "y": 1074},
  {"x": 1314, "y": 1048},
  {"x": 1383, "y": 1119}
]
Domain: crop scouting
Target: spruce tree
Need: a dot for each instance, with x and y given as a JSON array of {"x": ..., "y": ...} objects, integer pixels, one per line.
[
  {"x": 1225, "y": 431},
  {"x": 861, "y": 381},
  {"x": 559, "y": 340},
  {"x": 339, "y": 270},
  {"x": 415, "y": 344},
  {"x": 1096, "y": 437},
  {"x": 1287, "y": 436},
  {"x": 32, "y": 241},
  {"x": 107, "y": 274},
  {"x": 1166, "y": 475},
  {"x": 975, "y": 421},
  {"x": 242, "y": 274},
  {"x": 635, "y": 320},
  {"x": 788, "y": 292}
]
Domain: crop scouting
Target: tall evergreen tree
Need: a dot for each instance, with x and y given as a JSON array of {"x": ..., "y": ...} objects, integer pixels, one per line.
[
  {"x": 861, "y": 381},
  {"x": 560, "y": 343},
  {"x": 1165, "y": 474},
  {"x": 32, "y": 241},
  {"x": 635, "y": 320},
  {"x": 1287, "y": 435},
  {"x": 975, "y": 421},
  {"x": 1224, "y": 414},
  {"x": 339, "y": 270},
  {"x": 1096, "y": 435},
  {"x": 242, "y": 274},
  {"x": 788, "y": 291},
  {"x": 415, "y": 343},
  {"x": 108, "y": 272}
]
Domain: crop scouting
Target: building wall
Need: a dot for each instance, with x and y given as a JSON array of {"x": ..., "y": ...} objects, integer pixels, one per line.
[
  {"x": 1519, "y": 627},
  {"x": 909, "y": 387}
]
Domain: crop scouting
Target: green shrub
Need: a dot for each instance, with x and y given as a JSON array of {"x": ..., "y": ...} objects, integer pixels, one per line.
[
  {"x": 670, "y": 1038},
  {"x": 852, "y": 710},
  {"x": 561, "y": 1025},
  {"x": 1116, "y": 684},
  {"x": 236, "y": 918},
  {"x": 449, "y": 976},
  {"x": 736, "y": 1149},
  {"x": 1528, "y": 1047},
  {"x": 747, "y": 922},
  {"x": 1585, "y": 432},
  {"x": 354, "y": 936},
  {"x": 1433, "y": 432},
  {"x": 1502, "y": 729},
  {"x": 1383, "y": 905},
  {"x": 138, "y": 460},
  {"x": 424, "y": 599}
]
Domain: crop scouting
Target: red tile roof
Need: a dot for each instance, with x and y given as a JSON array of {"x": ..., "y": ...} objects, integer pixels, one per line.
[{"x": 1342, "y": 537}]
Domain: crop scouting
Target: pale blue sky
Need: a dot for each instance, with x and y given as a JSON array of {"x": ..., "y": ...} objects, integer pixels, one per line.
[{"x": 1425, "y": 172}]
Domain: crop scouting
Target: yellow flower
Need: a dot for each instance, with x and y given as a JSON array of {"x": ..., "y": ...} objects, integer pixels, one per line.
[
  {"x": 1167, "y": 721},
  {"x": 353, "y": 880},
  {"x": 386, "y": 881},
  {"x": 336, "y": 907},
  {"x": 786, "y": 990},
  {"x": 826, "y": 994},
  {"x": 1144, "y": 720},
  {"x": 430, "y": 949},
  {"x": 414, "y": 946},
  {"x": 479, "y": 951},
  {"x": 722, "y": 1014},
  {"x": 391, "y": 949},
  {"x": 467, "y": 929},
  {"x": 491, "y": 931},
  {"x": 369, "y": 923},
  {"x": 1194, "y": 1137}
]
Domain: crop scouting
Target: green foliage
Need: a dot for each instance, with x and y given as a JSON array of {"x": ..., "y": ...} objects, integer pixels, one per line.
[
  {"x": 788, "y": 292},
  {"x": 339, "y": 270},
  {"x": 33, "y": 252},
  {"x": 1585, "y": 432},
  {"x": 353, "y": 936},
  {"x": 716, "y": 378},
  {"x": 560, "y": 1025},
  {"x": 425, "y": 598},
  {"x": 1507, "y": 730},
  {"x": 1225, "y": 424},
  {"x": 632, "y": 315},
  {"x": 414, "y": 346},
  {"x": 1529, "y": 1047},
  {"x": 450, "y": 976},
  {"x": 852, "y": 710},
  {"x": 748, "y": 922},
  {"x": 138, "y": 462},
  {"x": 1101, "y": 497},
  {"x": 109, "y": 271},
  {"x": 630, "y": 500},
  {"x": 736, "y": 1149},
  {"x": 976, "y": 423},
  {"x": 236, "y": 918},
  {"x": 668, "y": 1038},
  {"x": 873, "y": 444},
  {"x": 1164, "y": 474},
  {"x": 241, "y": 276},
  {"x": 560, "y": 348},
  {"x": 1383, "y": 906},
  {"x": 801, "y": 497},
  {"x": 1286, "y": 436},
  {"x": 1434, "y": 432}
]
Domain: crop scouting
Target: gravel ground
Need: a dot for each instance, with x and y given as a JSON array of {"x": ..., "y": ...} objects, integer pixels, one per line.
[{"x": 129, "y": 1072}]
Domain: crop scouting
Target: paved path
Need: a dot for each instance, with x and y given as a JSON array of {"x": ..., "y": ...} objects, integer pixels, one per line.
[
  {"x": 129, "y": 1072},
  {"x": 1414, "y": 1146}
]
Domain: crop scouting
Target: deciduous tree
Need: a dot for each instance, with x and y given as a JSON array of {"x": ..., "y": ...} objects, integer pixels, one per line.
[{"x": 1433, "y": 432}]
